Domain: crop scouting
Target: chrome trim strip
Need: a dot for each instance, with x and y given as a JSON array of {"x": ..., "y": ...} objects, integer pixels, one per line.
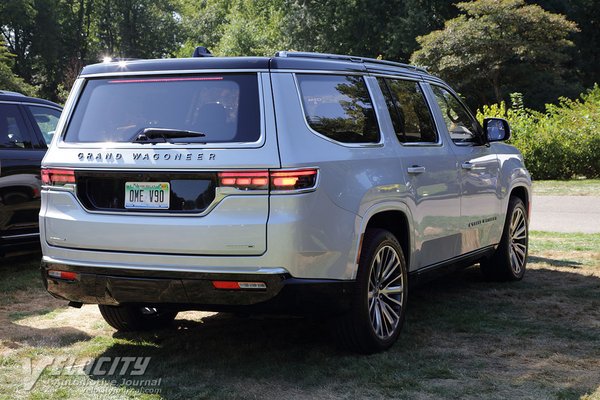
[
  {"x": 215, "y": 270},
  {"x": 23, "y": 235},
  {"x": 171, "y": 72}
]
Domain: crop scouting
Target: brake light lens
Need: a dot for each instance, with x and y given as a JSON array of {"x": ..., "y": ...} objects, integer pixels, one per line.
[
  {"x": 282, "y": 180},
  {"x": 57, "y": 177}
]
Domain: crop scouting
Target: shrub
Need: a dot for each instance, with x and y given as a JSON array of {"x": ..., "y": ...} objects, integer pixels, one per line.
[{"x": 561, "y": 143}]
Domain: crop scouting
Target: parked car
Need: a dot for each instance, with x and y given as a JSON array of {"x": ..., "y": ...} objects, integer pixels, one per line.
[
  {"x": 26, "y": 126},
  {"x": 303, "y": 182}
]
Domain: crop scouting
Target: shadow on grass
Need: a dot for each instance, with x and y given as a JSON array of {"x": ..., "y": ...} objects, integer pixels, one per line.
[
  {"x": 463, "y": 337},
  {"x": 20, "y": 275},
  {"x": 555, "y": 262}
]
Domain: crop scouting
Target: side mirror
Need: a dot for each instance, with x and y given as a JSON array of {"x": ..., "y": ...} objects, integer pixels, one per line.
[{"x": 496, "y": 129}]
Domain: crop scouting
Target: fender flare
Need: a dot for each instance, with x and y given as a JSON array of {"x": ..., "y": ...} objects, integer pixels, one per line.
[{"x": 362, "y": 222}]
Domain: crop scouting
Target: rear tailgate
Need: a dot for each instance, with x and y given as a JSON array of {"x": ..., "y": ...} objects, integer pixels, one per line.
[{"x": 109, "y": 206}]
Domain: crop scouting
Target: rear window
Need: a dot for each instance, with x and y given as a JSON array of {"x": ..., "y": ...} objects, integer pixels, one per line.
[
  {"x": 223, "y": 107},
  {"x": 339, "y": 107}
]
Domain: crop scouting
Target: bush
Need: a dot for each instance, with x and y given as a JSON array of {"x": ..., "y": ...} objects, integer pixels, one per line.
[{"x": 563, "y": 142}]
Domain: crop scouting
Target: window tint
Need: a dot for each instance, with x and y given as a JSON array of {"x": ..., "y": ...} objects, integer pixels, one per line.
[
  {"x": 223, "y": 107},
  {"x": 46, "y": 119},
  {"x": 339, "y": 107},
  {"x": 461, "y": 126},
  {"x": 409, "y": 111},
  {"x": 13, "y": 133}
]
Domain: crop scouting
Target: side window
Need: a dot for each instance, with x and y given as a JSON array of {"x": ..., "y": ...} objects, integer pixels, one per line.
[
  {"x": 13, "y": 133},
  {"x": 339, "y": 107},
  {"x": 408, "y": 109},
  {"x": 46, "y": 119},
  {"x": 461, "y": 125}
]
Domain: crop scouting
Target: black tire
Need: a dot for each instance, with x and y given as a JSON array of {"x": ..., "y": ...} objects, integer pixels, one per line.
[
  {"x": 128, "y": 318},
  {"x": 357, "y": 330},
  {"x": 510, "y": 258}
]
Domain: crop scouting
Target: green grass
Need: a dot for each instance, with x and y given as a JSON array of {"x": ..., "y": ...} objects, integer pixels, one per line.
[
  {"x": 565, "y": 242},
  {"x": 575, "y": 187},
  {"x": 19, "y": 274},
  {"x": 463, "y": 338}
]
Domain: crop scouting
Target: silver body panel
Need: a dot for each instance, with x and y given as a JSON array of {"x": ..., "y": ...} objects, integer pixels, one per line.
[{"x": 450, "y": 211}]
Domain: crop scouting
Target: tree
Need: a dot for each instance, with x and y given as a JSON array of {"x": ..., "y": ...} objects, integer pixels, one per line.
[
  {"x": 500, "y": 46},
  {"x": 17, "y": 21},
  {"x": 364, "y": 27},
  {"x": 8, "y": 80}
]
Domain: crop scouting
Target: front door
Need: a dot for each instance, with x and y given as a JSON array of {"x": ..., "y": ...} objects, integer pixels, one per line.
[{"x": 478, "y": 171}]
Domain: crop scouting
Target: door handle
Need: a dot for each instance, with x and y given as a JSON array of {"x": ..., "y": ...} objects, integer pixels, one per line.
[
  {"x": 416, "y": 169},
  {"x": 467, "y": 165}
]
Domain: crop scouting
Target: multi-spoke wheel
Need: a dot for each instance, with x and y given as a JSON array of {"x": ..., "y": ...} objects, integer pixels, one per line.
[
  {"x": 386, "y": 284},
  {"x": 510, "y": 259},
  {"x": 379, "y": 302},
  {"x": 127, "y": 318}
]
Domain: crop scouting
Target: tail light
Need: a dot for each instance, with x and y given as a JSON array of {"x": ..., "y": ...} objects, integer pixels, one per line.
[
  {"x": 294, "y": 180},
  {"x": 245, "y": 180},
  {"x": 281, "y": 180},
  {"x": 57, "y": 177}
]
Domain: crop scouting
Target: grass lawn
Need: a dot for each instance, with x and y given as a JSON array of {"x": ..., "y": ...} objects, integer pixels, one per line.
[
  {"x": 463, "y": 338},
  {"x": 575, "y": 187}
]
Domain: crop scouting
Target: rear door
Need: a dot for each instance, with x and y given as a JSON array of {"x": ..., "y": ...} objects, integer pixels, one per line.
[
  {"x": 20, "y": 155},
  {"x": 118, "y": 172}
]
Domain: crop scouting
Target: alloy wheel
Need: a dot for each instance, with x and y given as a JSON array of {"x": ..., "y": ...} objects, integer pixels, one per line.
[
  {"x": 386, "y": 292},
  {"x": 518, "y": 240}
]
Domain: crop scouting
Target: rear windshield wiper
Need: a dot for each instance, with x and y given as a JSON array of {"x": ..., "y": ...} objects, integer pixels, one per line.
[{"x": 161, "y": 135}]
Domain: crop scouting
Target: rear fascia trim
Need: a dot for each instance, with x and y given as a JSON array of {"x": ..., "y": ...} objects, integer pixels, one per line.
[{"x": 110, "y": 268}]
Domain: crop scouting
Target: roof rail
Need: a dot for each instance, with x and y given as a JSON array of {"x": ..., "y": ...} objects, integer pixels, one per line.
[{"x": 306, "y": 54}]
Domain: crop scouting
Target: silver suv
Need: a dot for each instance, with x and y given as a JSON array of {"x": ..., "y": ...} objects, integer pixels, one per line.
[{"x": 310, "y": 183}]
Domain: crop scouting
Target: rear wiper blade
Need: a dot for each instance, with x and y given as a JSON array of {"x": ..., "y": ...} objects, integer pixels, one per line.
[{"x": 154, "y": 135}]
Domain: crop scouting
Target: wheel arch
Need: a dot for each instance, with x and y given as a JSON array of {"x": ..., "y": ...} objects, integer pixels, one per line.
[
  {"x": 393, "y": 217},
  {"x": 522, "y": 192}
]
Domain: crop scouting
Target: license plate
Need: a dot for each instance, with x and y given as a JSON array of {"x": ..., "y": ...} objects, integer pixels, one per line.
[{"x": 147, "y": 195}]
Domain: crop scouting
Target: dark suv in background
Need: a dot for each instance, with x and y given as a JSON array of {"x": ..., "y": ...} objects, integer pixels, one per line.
[{"x": 26, "y": 128}]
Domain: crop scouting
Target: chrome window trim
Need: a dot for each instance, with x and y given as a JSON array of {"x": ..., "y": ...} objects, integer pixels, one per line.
[
  {"x": 349, "y": 145},
  {"x": 171, "y": 72},
  {"x": 414, "y": 78},
  {"x": 163, "y": 146}
]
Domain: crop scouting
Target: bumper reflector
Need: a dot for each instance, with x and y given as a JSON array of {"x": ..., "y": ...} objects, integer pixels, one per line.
[
  {"x": 66, "y": 275},
  {"x": 232, "y": 285}
]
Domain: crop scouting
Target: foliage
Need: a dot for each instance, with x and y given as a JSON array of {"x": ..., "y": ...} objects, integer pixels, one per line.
[
  {"x": 497, "y": 47},
  {"x": 560, "y": 143},
  {"x": 8, "y": 80},
  {"x": 51, "y": 40}
]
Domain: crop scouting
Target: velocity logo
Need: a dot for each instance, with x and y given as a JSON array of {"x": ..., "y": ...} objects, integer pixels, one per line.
[{"x": 102, "y": 367}]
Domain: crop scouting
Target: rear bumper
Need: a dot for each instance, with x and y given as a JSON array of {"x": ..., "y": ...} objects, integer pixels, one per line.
[{"x": 184, "y": 290}]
